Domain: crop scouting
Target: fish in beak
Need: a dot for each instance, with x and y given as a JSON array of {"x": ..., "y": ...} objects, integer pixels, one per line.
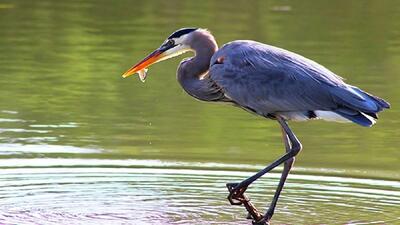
[
  {"x": 141, "y": 67},
  {"x": 167, "y": 50}
]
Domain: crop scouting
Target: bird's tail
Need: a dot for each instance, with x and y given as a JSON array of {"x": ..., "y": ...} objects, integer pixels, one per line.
[{"x": 358, "y": 106}]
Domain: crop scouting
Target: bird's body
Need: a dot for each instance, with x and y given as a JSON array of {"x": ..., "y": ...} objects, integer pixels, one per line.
[{"x": 270, "y": 82}]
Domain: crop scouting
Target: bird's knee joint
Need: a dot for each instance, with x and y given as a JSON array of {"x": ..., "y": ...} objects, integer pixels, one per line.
[{"x": 296, "y": 148}]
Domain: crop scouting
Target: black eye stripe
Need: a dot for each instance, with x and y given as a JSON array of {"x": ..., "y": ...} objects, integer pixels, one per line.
[{"x": 181, "y": 32}]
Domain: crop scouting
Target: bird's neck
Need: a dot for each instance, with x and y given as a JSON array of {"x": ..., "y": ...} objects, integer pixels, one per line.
[
  {"x": 196, "y": 66},
  {"x": 192, "y": 71}
]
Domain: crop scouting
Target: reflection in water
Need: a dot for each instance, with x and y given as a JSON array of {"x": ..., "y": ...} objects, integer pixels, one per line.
[
  {"x": 118, "y": 195},
  {"x": 79, "y": 145},
  {"x": 61, "y": 64}
]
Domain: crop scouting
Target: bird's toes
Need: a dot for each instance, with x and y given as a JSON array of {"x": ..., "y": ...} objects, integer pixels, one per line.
[{"x": 236, "y": 196}]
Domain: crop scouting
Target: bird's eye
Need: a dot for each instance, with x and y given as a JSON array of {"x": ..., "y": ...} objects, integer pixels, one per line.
[{"x": 170, "y": 42}]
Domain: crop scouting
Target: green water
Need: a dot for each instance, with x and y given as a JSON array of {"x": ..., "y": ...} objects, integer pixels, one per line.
[{"x": 81, "y": 145}]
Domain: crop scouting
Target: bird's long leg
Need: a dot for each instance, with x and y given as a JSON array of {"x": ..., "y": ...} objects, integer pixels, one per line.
[
  {"x": 236, "y": 195},
  {"x": 287, "y": 165},
  {"x": 286, "y": 169}
]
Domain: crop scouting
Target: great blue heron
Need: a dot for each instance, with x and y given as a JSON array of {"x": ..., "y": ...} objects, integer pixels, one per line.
[{"x": 268, "y": 81}]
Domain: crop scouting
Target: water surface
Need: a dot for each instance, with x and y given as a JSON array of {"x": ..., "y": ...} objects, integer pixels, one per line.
[{"x": 81, "y": 145}]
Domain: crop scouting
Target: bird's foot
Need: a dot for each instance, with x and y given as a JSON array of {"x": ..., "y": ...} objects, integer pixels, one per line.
[
  {"x": 237, "y": 197},
  {"x": 236, "y": 194}
]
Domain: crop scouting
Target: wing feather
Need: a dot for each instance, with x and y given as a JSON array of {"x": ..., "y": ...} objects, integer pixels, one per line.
[{"x": 269, "y": 79}]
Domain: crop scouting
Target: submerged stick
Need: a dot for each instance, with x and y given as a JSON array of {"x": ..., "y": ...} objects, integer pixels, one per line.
[{"x": 258, "y": 218}]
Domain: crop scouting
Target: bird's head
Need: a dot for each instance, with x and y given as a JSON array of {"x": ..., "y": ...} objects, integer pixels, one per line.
[{"x": 177, "y": 43}]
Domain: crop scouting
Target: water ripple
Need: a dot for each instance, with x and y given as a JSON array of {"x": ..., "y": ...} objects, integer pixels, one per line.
[
  {"x": 80, "y": 191},
  {"x": 11, "y": 149}
]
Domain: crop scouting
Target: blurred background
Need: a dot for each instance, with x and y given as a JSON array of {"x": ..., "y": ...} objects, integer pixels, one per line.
[{"x": 79, "y": 144}]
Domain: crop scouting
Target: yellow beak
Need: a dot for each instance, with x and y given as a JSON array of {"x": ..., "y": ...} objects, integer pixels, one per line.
[{"x": 152, "y": 58}]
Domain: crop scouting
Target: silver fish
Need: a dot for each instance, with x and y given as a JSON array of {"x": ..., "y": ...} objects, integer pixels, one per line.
[{"x": 142, "y": 74}]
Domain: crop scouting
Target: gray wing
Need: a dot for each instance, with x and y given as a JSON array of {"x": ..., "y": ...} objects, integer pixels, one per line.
[{"x": 268, "y": 79}]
